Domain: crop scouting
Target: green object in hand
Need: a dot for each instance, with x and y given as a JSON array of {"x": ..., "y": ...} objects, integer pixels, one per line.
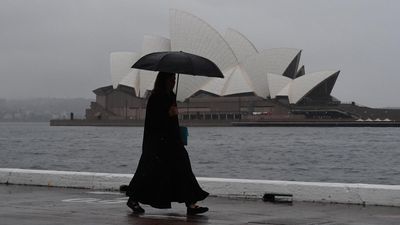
[{"x": 184, "y": 134}]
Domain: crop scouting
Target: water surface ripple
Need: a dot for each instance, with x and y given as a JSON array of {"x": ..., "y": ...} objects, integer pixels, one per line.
[{"x": 351, "y": 155}]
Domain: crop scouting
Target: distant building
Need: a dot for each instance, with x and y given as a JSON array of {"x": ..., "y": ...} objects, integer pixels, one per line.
[
  {"x": 117, "y": 104},
  {"x": 122, "y": 104}
]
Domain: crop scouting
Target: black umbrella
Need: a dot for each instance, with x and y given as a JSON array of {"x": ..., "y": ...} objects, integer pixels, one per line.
[{"x": 178, "y": 62}]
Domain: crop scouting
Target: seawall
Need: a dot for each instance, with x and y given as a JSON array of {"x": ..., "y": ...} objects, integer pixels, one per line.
[
  {"x": 136, "y": 123},
  {"x": 229, "y": 123},
  {"x": 321, "y": 123},
  {"x": 366, "y": 194}
]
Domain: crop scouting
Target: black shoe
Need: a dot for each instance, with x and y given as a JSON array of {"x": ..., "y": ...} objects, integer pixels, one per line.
[
  {"x": 196, "y": 210},
  {"x": 135, "y": 207}
]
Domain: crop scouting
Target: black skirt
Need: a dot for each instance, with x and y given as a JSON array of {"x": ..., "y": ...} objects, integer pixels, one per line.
[{"x": 160, "y": 180}]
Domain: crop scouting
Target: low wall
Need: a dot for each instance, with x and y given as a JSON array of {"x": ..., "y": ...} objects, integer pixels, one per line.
[
  {"x": 236, "y": 123},
  {"x": 317, "y": 123},
  {"x": 137, "y": 123},
  {"x": 368, "y": 194}
]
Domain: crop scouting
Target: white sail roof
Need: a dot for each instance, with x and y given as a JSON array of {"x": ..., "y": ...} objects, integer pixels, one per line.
[
  {"x": 238, "y": 82},
  {"x": 121, "y": 63},
  {"x": 304, "y": 84},
  {"x": 132, "y": 80},
  {"x": 151, "y": 43},
  {"x": 285, "y": 90},
  {"x": 154, "y": 43},
  {"x": 240, "y": 45},
  {"x": 268, "y": 61},
  {"x": 276, "y": 83},
  {"x": 235, "y": 81},
  {"x": 245, "y": 69},
  {"x": 191, "y": 34},
  {"x": 215, "y": 85}
]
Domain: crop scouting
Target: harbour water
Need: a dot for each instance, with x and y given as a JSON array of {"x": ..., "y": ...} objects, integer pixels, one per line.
[{"x": 323, "y": 154}]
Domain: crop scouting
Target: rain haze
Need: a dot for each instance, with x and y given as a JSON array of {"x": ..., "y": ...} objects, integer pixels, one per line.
[{"x": 61, "y": 48}]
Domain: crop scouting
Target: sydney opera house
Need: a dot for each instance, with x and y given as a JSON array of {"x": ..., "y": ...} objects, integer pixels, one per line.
[{"x": 270, "y": 83}]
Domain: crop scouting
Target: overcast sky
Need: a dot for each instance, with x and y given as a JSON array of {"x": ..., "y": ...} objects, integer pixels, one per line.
[{"x": 61, "y": 48}]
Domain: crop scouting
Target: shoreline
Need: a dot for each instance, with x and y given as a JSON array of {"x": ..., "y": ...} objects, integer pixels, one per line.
[{"x": 232, "y": 123}]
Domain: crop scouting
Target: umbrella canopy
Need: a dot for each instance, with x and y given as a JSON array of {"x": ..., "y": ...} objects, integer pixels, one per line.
[{"x": 178, "y": 62}]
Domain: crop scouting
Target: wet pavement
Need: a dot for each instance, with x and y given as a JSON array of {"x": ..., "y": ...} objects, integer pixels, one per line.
[{"x": 59, "y": 206}]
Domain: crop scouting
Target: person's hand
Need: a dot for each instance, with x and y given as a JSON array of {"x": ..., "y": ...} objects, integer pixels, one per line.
[{"x": 173, "y": 111}]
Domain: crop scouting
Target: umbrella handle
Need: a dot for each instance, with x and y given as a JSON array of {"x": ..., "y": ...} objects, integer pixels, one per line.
[{"x": 177, "y": 83}]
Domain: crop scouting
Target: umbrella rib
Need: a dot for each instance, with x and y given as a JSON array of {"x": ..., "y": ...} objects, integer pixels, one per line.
[
  {"x": 191, "y": 65},
  {"x": 161, "y": 59}
]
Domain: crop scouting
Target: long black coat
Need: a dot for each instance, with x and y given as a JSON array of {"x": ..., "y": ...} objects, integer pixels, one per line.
[{"x": 164, "y": 173}]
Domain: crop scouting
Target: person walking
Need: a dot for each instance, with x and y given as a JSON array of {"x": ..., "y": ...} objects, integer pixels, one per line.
[{"x": 164, "y": 172}]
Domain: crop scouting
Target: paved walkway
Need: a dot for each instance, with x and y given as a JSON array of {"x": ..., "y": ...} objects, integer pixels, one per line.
[{"x": 60, "y": 206}]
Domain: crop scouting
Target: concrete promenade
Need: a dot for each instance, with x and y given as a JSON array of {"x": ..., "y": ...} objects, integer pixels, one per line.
[
  {"x": 67, "y": 197},
  {"x": 33, "y": 205}
]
